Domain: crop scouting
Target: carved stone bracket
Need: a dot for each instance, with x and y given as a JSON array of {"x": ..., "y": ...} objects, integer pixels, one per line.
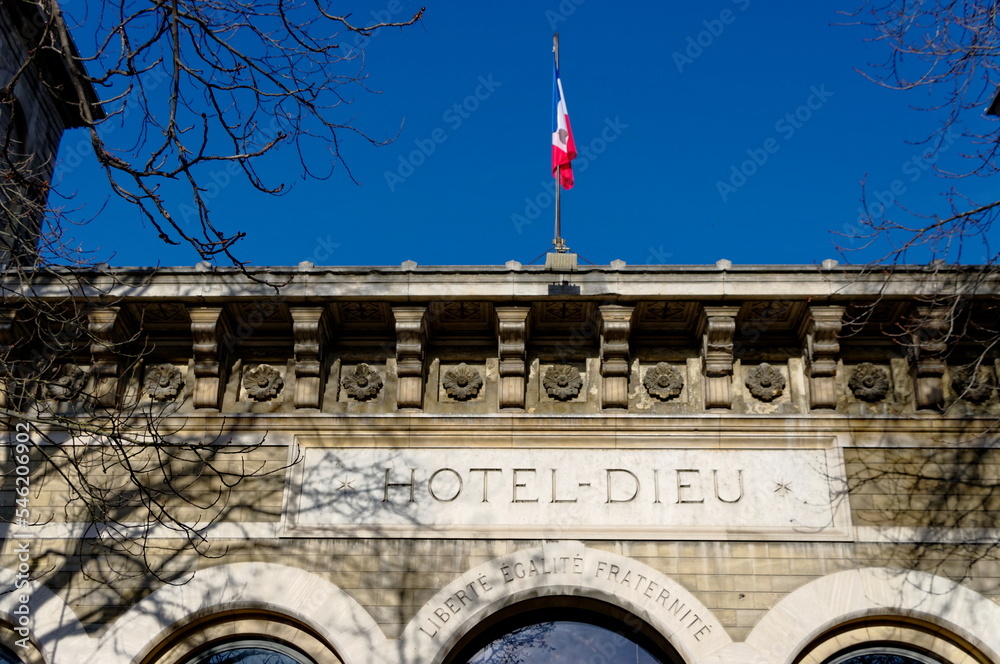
[
  {"x": 311, "y": 333},
  {"x": 928, "y": 334},
  {"x": 718, "y": 326},
  {"x": 411, "y": 336},
  {"x": 8, "y": 327},
  {"x": 512, "y": 330},
  {"x": 210, "y": 334},
  {"x": 616, "y": 326},
  {"x": 821, "y": 337},
  {"x": 8, "y": 335},
  {"x": 104, "y": 326}
]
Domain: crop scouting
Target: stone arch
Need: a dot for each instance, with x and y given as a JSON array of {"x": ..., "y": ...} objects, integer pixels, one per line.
[
  {"x": 921, "y": 641},
  {"x": 291, "y": 592},
  {"x": 604, "y": 628},
  {"x": 800, "y": 620},
  {"x": 566, "y": 569},
  {"x": 54, "y": 627},
  {"x": 232, "y": 629}
]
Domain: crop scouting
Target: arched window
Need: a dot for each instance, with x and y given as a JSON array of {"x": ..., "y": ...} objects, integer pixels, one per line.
[
  {"x": 238, "y": 637},
  {"x": 558, "y": 641},
  {"x": 250, "y": 651},
  {"x": 883, "y": 655},
  {"x": 890, "y": 640},
  {"x": 7, "y": 657},
  {"x": 557, "y": 630}
]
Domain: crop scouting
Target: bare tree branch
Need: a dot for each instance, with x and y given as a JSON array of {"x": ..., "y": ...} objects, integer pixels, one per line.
[
  {"x": 194, "y": 86},
  {"x": 949, "y": 50}
]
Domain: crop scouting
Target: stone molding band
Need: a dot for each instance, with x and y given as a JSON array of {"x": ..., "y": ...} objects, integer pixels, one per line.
[{"x": 780, "y": 637}]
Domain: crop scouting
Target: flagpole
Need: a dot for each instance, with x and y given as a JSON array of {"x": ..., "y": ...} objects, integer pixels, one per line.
[{"x": 557, "y": 241}]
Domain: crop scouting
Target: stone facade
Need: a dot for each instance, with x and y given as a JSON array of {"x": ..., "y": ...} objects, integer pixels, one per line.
[
  {"x": 736, "y": 464},
  {"x": 34, "y": 112}
]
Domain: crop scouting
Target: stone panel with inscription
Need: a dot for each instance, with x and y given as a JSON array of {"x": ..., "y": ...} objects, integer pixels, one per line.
[{"x": 670, "y": 493}]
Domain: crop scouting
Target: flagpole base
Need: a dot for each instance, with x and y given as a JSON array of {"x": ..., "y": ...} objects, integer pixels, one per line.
[{"x": 560, "y": 261}]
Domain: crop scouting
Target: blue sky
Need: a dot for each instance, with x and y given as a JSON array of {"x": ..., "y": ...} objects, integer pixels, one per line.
[{"x": 732, "y": 129}]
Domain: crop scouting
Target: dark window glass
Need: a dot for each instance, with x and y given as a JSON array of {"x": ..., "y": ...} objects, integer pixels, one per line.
[
  {"x": 883, "y": 656},
  {"x": 250, "y": 652},
  {"x": 561, "y": 642},
  {"x": 7, "y": 657}
]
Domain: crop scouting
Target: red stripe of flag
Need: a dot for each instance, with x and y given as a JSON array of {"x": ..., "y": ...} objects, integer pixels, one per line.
[{"x": 563, "y": 145}]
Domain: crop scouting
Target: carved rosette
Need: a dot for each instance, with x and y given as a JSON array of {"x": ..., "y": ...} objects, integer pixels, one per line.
[
  {"x": 362, "y": 384},
  {"x": 869, "y": 382},
  {"x": 462, "y": 383},
  {"x": 163, "y": 382},
  {"x": 663, "y": 382},
  {"x": 562, "y": 382},
  {"x": 972, "y": 384},
  {"x": 67, "y": 384},
  {"x": 263, "y": 382},
  {"x": 765, "y": 382}
]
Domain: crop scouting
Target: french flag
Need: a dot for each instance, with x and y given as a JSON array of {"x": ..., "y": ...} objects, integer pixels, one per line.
[{"x": 563, "y": 145}]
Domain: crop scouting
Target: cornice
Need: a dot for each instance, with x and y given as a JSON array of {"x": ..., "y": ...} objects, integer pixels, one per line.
[
  {"x": 581, "y": 430},
  {"x": 604, "y": 283}
]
